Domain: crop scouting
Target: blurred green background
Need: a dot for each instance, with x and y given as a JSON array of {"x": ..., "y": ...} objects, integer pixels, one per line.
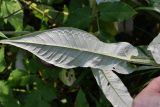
[{"x": 26, "y": 81}]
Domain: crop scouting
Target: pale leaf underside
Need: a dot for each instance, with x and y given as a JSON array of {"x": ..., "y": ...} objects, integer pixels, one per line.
[
  {"x": 113, "y": 88},
  {"x": 69, "y": 47},
  {"x": 154, "y": 47}
]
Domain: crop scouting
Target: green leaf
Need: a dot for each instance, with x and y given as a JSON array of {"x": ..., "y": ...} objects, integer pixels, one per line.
[
  {"x": 69, "y": 48},
  {"x": 34, "y": 99},
  {"x": 81, "y": 17},
  {"x": 2, "y": 35},
  {"x": 149, "y": 9},
  {"x": 113, "y": 88},
  {"x": 48, "y": 73},
  {"x": 2, "y": 59},
  {"x": 41, "y": 96},
  {"x": 6, "y": 97},
  {"x": 154, "y": 6},
  {"x": 18, "y": 78},
  {"x": 76, "y": 4},
  {"x": 117, "y": 11},
  {"x": 9, "y": 7},
  {"x": 4, "y": 88},
  {"x": 9, "y": 101},
  {"x": 155, "y": 3},
  {"x": 103, "y": 102},
  {"x": 33, "y": 65},
  {"x": 81, "y": 99},
  {"x": 46, "y": 92}
]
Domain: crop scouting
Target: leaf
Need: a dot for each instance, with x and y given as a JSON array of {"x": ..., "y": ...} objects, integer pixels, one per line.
[
  {"x": 48, "y": 73},
  {"x": 6, "y": 97},
  {"x": 69, "y": 48},
  {"x": 33, "y": 66},
  {"x": 81, "y": 17},
  {"x": 2, "y": 60},
  {"x": 103, "y": 102},
  {"x": 149, "y": 9},
  {"x": 113, "y": 88},
  {"x": 116, "y": 11},
  {"x": 9, "y": 7},
  {"x": 101, "y": 1},
  {"x": 154, "y": 47},
  {"x": 41, "y": 96},
  {"x": 46, "y": 92},
  {"x": 154, "y": 5},
  {"x": 81, "y": 99},
  {"x": 34, "y": 99},
  {"x": 10, "y": 101},
  {"x": 18, "y": 78},
  {"x": 4, "y": 88},
  {"x": 76, "y": 4},
  {"x": 2, "y": 35}
]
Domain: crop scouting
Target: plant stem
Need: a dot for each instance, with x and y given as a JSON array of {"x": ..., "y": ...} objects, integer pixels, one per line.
[
  {"x": 93, "y": 5},
  {"x": 15, "y": 12},
  {"x": 41, "y": 11}
]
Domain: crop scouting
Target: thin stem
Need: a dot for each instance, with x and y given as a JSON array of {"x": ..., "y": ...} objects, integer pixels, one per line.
[
  {"x": 93, "y": 5},
  {"x": 98, "y": 25},
  {"x": 6, "y": 17},
  {"x": 41, "y": 11},
  {"x": 14, "y": 13}
]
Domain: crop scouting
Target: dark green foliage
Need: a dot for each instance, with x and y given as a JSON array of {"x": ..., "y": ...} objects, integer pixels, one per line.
[
  {"x": 38, "y": 84},
  {"x": 122, "y": 12},
  {"x": 84, "y": 14}
]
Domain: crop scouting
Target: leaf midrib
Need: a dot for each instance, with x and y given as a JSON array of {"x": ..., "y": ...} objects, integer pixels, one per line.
[{"x": 137, "y": 61}]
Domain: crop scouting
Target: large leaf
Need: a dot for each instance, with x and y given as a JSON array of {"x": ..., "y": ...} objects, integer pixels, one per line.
[
  {"x": 113, "y": 88},
  {"x": 70, "y": 47},
  {"x": 154, "y": 47},
  {"x": 122, "y": 12}
]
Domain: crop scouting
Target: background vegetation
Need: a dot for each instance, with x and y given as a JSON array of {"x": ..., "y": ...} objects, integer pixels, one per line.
[{"x": 26, "y": 81}]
